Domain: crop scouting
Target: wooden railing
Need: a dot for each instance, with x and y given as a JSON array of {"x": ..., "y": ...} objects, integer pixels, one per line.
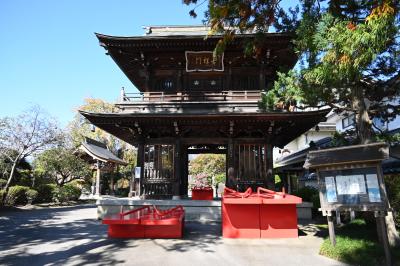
[{"x": 191, "y": 96}]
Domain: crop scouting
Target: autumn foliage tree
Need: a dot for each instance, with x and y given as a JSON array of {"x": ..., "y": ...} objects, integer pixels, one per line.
[
  {"x": 348, "y": 51},
  {"x": 213, "y": 165}
]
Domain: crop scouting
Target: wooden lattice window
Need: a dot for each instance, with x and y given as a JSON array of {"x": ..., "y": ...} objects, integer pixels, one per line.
[
  {"x": 159, "y": 162},
  {"x": 251, "y": 164}
]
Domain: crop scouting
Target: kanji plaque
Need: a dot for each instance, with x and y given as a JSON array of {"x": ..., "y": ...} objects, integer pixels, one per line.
[{"x": 203, "y": 61}]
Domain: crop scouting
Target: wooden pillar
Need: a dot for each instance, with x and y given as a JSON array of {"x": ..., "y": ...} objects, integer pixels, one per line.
[
  {"x": 184, "y": 171},
  {"x": 331, "y": 228},
  {"x": 338, "y": 220},
  {"x": 176, "y": 191},
  {"x": 269, "y": 163},
  {"x": 284, "y": 181},
  {"x": 179, "y": 81},
  {"x": 352, "y": 215},
  {"x": 262, "y": 77},
  {"x": 391, "y": 232},
  {"x": 112, "y": 181},
  {"x": 228, "y": 86},
  {"x": 230, "y": 157},
  {"x": 140, "y": 163},
  {"x": 382, "y": 233},
  {"x": 98, "y": 178}
]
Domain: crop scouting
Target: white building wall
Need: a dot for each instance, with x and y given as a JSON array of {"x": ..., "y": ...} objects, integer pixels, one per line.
[{"x": 326, "y": 129}]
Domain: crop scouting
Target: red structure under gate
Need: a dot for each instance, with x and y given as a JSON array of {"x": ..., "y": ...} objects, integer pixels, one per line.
[
  {"x": 147, "y": 222},
  {"x": 205, "y": 193},
  {"x": 265, "y": 214}
]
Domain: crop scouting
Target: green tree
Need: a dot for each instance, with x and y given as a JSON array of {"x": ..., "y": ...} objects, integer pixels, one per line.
[
  {"x": 349, "y": 53},
  {"x": 348, "y": 50},
  {"x": 211, "y": 164},
  {"x": 61, "y": 165},
  {"x": 22, "y": 170},
  {"x": 25, "y": 135}
]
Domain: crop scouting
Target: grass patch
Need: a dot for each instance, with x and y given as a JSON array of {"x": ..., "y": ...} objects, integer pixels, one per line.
[{"x": 357, "y": 244}]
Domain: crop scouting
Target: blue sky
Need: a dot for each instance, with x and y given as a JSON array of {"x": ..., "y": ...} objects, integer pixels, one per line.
[{"x": 50, "y": 56}]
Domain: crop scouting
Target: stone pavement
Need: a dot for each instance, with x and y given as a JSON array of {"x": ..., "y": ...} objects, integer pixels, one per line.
[{"x": 73, "y": 236}]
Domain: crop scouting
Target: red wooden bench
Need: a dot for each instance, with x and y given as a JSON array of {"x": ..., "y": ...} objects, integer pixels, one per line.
[
  {"x": 147, "y": 222},
  {"x": 265, "y": 214}
]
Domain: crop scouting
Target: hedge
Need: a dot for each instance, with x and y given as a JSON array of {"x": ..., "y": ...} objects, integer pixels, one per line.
[
  {"x": 17, "y": 196},
  {"x": 45, "y": 193},
  {"x": 65, "y": 193}
]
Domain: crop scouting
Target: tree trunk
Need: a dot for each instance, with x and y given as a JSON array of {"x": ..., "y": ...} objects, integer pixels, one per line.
[
  {"x": 7, "y": 187},
  {"x": 363, "y": 122},
  {"x": 364, "y": 132}
]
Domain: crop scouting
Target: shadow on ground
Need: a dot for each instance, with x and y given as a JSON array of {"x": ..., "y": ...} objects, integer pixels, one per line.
[
  {"x": 56, "y": 236},
  {"x": 203, "y": 236}
]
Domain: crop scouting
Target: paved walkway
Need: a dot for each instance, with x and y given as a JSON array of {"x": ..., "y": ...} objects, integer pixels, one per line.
[{"x": 73, "y": 236}]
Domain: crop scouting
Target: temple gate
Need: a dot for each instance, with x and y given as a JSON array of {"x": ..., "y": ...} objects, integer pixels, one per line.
[{"x": 188, "y": 100}]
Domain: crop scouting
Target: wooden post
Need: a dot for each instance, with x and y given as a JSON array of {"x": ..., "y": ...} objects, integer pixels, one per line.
[
  {"x": 338, "y": 220},
  {"x": 381, "y": 227},
  {"x": 179, "y": 80},
  {"x": 352, "y": 215},
  {"x": 378, "y": 230},
  {"x": 392, "y": 234},
  {"x": 112, "y": 182},
  {"x": 229, "y": 79},
  {"x": 140, "y": 163},
  {"x": 331, "y": 228},
  {"x": 177, "y": 167},
  {"x": 262, "y": 77},
  {"x": 230, "y": 155},
  {"x": 98, "y": 177},
  {"x": 270, "y": 166},
  {"x": 184, "y": 171}
]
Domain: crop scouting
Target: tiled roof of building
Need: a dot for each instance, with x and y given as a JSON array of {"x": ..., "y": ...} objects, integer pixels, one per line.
[{"x": 99, "y": 151}]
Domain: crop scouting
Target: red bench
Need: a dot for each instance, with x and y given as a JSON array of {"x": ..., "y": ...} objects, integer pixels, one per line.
[
  {"x": 265, "y": 214},
  {"x": 147, "y": 222}
]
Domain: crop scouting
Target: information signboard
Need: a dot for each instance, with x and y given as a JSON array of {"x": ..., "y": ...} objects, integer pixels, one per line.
[
  {"x": 137, "y": 172},
  {"x": 349, "y": 187},
  {"x": 373, "y": 188}
]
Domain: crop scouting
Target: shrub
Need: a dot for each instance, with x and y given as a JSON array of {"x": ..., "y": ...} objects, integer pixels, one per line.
[
  {"x": 122, "y": 192},
  {"x": 220, "y": 178},
  {"x": 73, "y": 191},
  {"x": 315, "y": 201},
  {"x": 45, "y": 193},
  {"x": 31, "y": 195},
  {"x": 2, "y": 191},
  {"x": 17, "y": 195},
  {"x": 3, "y": 183},
  {"x": 310, "y": 194},
  {"x": 201, "y": 180},
  {"x": 307, "y": 193},
  {"x": 66, "y": 193}
]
